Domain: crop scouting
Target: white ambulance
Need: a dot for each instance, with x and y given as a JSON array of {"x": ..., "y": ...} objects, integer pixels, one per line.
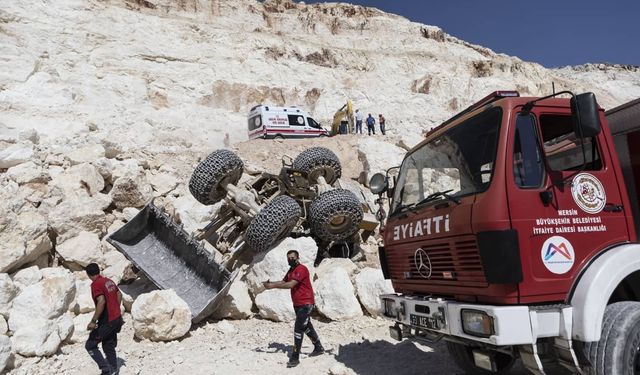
[{"x": 270, "y": 122}]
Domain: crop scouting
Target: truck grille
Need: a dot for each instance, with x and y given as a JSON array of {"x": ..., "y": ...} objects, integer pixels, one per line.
[{"x": 454, "y": 261}]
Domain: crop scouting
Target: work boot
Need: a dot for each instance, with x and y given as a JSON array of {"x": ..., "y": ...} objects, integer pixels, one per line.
[
  {"x": 317, "y": 350},
  {"x": 293, "y": 361}
]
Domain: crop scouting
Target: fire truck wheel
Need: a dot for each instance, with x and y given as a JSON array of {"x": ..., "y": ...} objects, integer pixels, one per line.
[
  {"x": 319, "y": 161},
  {"x": 335, "y": 215},
  {"x": 209, "y": 177},
  {"x": 463, "y": 357},
  {"x": 273, "y": 223},
  {"x": 618, "y": 351}
]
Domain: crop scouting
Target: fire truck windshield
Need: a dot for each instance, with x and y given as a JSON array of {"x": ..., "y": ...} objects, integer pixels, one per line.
[{"x": 460, "y": 161}]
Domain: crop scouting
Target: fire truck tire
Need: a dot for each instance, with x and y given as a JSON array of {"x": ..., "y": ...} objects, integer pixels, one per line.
[
  {"x": 273, "y": 223},
  {"x": 319, "y": 161},
  {"x": 207, "y": 181},
  {"x": 617, "y": 351},
  {"x": 463, "y": 357},
  {"x": 335, "y": 215}
]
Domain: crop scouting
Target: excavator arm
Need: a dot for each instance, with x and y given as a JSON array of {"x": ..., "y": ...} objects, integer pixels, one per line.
[{"x": 344, "y": 111}]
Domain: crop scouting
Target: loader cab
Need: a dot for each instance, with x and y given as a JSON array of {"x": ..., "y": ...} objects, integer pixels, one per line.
[{"x": 269, "y": 122}]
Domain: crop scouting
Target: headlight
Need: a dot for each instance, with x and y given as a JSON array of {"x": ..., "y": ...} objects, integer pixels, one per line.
[
  {"x": 389, "y": 307},
  {"x": 477, "y": 323}
]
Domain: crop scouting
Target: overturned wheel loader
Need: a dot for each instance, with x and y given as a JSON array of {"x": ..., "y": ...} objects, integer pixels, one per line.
[{"x": 307, "y": 198}]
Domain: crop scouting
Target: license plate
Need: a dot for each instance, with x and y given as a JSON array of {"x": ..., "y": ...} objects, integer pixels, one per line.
[{"x": 422, "y": 321}]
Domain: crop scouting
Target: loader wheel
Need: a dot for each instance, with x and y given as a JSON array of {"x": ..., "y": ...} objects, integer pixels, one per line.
[
  {"x": 618, "y": 351},
  {"x": 335, "y": 215},
  {"x": 463, "y": 357},
  {"x": 273, "y": 223},
  {"x": 319, "y": 161},
  {"x": 209, "y": 177}
]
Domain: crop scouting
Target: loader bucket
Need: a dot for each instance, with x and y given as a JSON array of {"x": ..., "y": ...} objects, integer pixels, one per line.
[{"x": 172, "y": 259}]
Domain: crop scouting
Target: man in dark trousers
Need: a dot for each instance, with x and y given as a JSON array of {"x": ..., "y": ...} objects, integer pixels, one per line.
[
  {"x": 297, "y": 279},
  {"x": 106, "y": 321},
  {"x": 371, "y": 125}
]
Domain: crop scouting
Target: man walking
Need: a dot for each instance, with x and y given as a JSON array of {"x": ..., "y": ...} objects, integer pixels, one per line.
[
  {"x": 358, "y": 122},
  {"x": 106, "y": 321},
  {"x": 297, "y": 279},
  {"x": 371, "y": 122},
  {"x": 382, "y": 121}
]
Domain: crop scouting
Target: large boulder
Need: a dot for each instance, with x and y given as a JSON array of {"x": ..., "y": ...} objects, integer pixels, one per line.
[
  {"x": 272, "y": 265},
  {"x": 160, "y": 316},
  {"x": 86, "y": 154},
  {"x": 131, "y": 190},
  {"x": 85, "y": 214},
  {"x": 40, "y": 338},
  {"x": 23, "y": 238},
  {"x": 237, "y": 303},
  {"x": 329, "y": 264},
  {"x": 378, "y": 156},
  {"x": 116, "y": 265},
  {"x": 335, "y": 297},
  {"x": 15, "y": 154},
  {"x": 5, "y": 352},
  {"x": 26, "y": 277},
  {"x": 46, "y": 300},
  {"x": 80, "y": 250},
  {"x": 193, "y": 214},
  {"x": 26, "y": 173},
  {"x": 83, "y": 303},
  {"x": 89, "y": 176},
  {"x": 4, "y": 327},
  {"x": 370, "y": 284},
  {"x": 276, "y": 305},
  {"x": 162, "y": 183},
  {"x": 80, "y": 332},
  {"x": 8, "y": 291}
]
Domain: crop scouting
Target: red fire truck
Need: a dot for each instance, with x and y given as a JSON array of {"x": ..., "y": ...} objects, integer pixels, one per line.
[{"x": 512, "y": 233}]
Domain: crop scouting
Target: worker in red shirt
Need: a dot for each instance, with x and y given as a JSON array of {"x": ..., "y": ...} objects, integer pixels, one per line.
[
  {"x": 106, "y": 321},
  {"x": 297, "y": 279}
]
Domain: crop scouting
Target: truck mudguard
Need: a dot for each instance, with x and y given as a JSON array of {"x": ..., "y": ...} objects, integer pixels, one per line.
[{"x": 595, "y": 287}]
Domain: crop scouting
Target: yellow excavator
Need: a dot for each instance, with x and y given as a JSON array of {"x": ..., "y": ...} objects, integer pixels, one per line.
[{"x": 339, "y": 118}]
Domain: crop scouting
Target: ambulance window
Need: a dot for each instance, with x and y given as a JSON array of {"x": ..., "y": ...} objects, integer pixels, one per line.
[
  {"x": 528, "y": 168},
  {"x": 313, "y": 123},
  {"x": 296, "y": 120},
  {"x": 562, "y": 148}
]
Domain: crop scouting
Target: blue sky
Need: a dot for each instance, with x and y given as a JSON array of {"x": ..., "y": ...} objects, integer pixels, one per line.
[{"x": 552, "y": 33}]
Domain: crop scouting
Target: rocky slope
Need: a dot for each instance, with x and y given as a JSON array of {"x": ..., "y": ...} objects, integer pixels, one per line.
[{"x": 105, "y": 105}]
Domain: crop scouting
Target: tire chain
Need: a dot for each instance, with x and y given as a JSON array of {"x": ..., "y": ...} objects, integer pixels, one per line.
[
  {"x": 327, "y": 205},
  {"x": 205, "y": 179},
  {"x": 273, "y": 222},
  {"x": 317, "y": 157}
]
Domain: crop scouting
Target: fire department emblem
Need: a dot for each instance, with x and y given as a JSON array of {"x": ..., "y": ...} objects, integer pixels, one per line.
[
  {"x": 588, "y": 193},
  {"x": 423, "y": 263}
]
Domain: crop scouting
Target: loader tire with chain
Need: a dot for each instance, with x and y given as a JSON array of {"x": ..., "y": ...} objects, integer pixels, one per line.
[
  {"x": 319, "y": 161},
  {"x": 273, "y": 223},
  {"x": 335, "y": 215},
  {"x": 207, "y": 180}
]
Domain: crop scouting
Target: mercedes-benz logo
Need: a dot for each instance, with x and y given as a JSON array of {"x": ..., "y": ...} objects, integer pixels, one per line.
[{"x": 423, "y": 263}]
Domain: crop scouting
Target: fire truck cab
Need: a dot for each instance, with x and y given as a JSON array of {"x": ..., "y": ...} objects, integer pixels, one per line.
[{"x": 512, "y": 233}]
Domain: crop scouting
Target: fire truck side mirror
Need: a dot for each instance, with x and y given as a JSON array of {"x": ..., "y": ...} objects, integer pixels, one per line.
[
  {"x": 378, "y": 184},
  {"x": 586, "y": 119}
]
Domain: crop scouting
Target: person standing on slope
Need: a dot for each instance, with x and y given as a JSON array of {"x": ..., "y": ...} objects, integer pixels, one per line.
[{"x": 297, "y": 279}]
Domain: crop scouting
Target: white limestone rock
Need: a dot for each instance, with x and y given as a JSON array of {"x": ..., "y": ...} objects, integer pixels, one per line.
[
  {"x": 30, "y": 135},
  {"x": 8, "y": 291},
  {"x": 80, "y": 250},
  {"x": 272, "y": 265},
  {"x": 80, "y": 333},
  {"x": 74, "y": 216},
  {"x": 65, "y": 326},
  {"x": 378, "y": 156},
  {"x": 23, "y": 238},
  {"x": 116, "y": 266},
  {"x": 162, "y": 183},
  {"x": 192, "y": 213},
  {"x": 15, "y": 154},
  {"x": 4, "y": 327},
  {"x": 131, "y": 190},
  {"x": 47, "y": 299},
  {"x": 237, "y": 303},
  {"x": 89, "y": 176},
  {"x": 335, "y": 296},
  {"x": 28, "y": 172},
  {"x": 104, "y": 166},
  {"x": 160, "y": 316},
  {"x": 370, "y": 284},
  {"x": 276, "y": 305},
  {"x": 86, "y": 154},
  {"x": 5, "y": 352},
  {"x": 329, "y": 264},
  {"x": 129, "y": 213},
  {"x": 40, "y": 338},
  {"x": 26, "y": 277},
  {"x": 83, "y": 303}
]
